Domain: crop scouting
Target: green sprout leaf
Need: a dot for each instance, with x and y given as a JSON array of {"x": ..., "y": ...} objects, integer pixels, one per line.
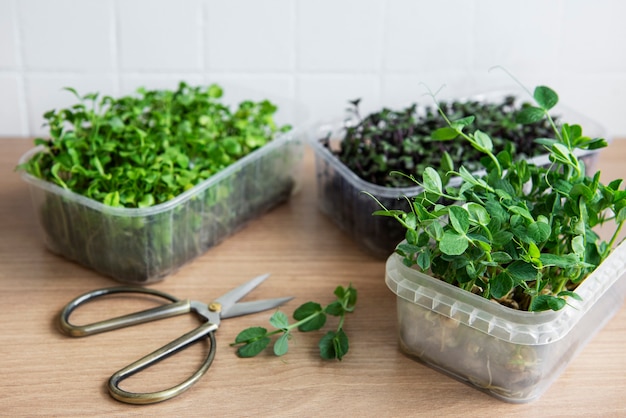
[
  {"x": 432, "y": 181},
  {"x": 547, "y": 302},
  {"x": 545, "y": 97},
  {"x": 530, "y": 115},
  {"x": 255, "y": 340},
  {"x": 310, "y": 316},
  {"x": 281, "y": 346},
  {"x": 521, "y": 270},
  {"x": 279, "y": 320},
  {"x": 334, "y": 345},
  {"x": 445, "y": 134},
  {"x": 501, "y": 285},
  {"x": 459, "y": 219},
  {"x": 453, "y": 243}
]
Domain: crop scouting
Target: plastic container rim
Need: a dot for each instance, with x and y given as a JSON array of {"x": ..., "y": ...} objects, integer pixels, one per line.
[
  {"x": 278, "y": 141},
  {"x": 591, "y": 290}
]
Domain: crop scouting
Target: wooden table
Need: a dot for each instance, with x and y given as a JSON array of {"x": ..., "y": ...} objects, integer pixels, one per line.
[{"x": 46, "y": 373}]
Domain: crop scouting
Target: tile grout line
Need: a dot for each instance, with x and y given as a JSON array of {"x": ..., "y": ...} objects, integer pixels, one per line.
[
  {"x": 115, "y": 43},
  {"x": 23, "y": 102}
]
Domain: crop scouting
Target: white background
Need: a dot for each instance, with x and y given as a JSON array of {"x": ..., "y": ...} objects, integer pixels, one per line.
[{"x": 316, "y": 53}]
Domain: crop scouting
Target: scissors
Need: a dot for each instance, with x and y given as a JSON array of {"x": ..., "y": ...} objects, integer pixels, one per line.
[{"x": 225, "y": 306}]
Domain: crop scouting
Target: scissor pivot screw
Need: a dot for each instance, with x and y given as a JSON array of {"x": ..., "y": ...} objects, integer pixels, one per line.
[{"x": 215, "y": 307}]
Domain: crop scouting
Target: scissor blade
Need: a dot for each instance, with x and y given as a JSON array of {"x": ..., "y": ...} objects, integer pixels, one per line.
[
  {"x": 230, "y": 298},
  {"x": 245, "y": 308}
]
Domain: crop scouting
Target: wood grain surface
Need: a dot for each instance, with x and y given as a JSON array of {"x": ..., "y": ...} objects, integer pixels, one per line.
[{"x": 45, "y": 373}]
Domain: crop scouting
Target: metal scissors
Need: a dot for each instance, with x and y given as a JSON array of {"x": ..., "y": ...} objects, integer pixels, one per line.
[{"x": 225, "y": 306}]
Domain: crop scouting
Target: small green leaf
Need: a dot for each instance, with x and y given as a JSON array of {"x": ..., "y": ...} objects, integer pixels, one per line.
[
  {"x": 306, "y": 309},
  {"x": 533, "y": 251},
  {"x": 215, "y": 91},
  {"x": 444, "y": 134},
  {"x": 334, "y": 345},
  {"x": 477, "y": 213},
  {"x": 501, "y": 257},
  {"x": 522, "y": 211},
  {"x": 347, "y": 296},
  {"x": 529, "y": 115},
  {"x": 462, "y": 122},
  {"x": 411, "y": 236},
  {"x": 281, "y": 346},
  {"x": 112, "y": 199},
  {"x": 545, "y": 97},
  {"x": 482, "y": 141},
  {"x": 408, "y": 248},
  {"x": 335, "y": 308},
  {"x": 562, "y": 261},
  {"x": 581, "y": 190},
  {"x": 459, "y": 218},
  {"x": 432, "y": 180},
  {"x": 250, "y": 334},
  {"x": 621, "y": 215},
  {"x": 501, "y": 285},
  {"x": 578, "y": 245},
  {"x": 521, "y": 270},
  {"x": 505, "y": 159},
  {"x": 410, "y": 220},
  {"x": 453, "y": 244},
  {"x": 279, "y": 320},
  {"x": 571, "y": 294},
  {"x": 146, "y": 201},
  {"x": 467, "y": 176},
  {"x": 423, "y": 260},
  {"x": 423, "y": 239},
  {"x": 313, "y": 324},
  {"x": 435, "y": 230},
  {"x": 253, "y": 348},
  {"x": 539, "y": 231},
  {"x": 547, "y": 302},
  {"x": 446, "y": 162}
]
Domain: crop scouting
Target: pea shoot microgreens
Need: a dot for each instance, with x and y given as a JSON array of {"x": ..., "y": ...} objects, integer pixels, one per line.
[
  {"x": 310, "y": 316},
  {"x": 521, "y": 234},
  {"x": 141, "y": 150}
]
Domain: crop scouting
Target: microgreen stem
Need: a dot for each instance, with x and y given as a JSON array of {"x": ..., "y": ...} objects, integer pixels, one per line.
[{"x": 611, "y": 243}]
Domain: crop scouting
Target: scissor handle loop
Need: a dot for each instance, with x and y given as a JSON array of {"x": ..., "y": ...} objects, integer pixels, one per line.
[
  {"x": 177, "y": 307},
  {"x": 181, "y": 343}
]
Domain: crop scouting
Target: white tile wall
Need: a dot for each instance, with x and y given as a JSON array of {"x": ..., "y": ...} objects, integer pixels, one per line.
[
  {"x": 53, "y": 39},
  {"x": 339, "y": 36},
  {"x": 316, "y": 53},
  {"x": 525, "y": 35},
  {"x": 159, "y": 35},
  {"x": 250, "y": 36},
  {"x": 8, "y": 36},
  {"x": 422, "y": 36}
]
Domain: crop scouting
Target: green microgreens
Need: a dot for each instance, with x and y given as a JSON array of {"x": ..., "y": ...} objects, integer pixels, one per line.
[
  {"x": 310, "y": 316},
  {"x": 521, "y": 234},
  {"x": 142, "y": 150}
]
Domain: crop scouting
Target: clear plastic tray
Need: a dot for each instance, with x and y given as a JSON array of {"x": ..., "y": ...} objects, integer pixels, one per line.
[
  {"x": 143, "y": 245},
  {"x": 340, "y": 190},
  {"x": 510, "y": 354}
]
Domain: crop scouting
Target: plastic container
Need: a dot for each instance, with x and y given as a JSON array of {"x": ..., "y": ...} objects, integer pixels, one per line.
[
  {"x": 510, "y": 354},
  {"x": 340, "y": 190},
  {"x": 143, "y": 245}
]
